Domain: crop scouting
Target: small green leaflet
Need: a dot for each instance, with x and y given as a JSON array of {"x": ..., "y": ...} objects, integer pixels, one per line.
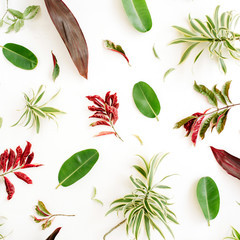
[
  {"x": 208, "y": 198},
  {"x": 19, "y": 56},
  {"x": 167, "y": 73},
  {"x": 138, "y": 138},
  {"x": 56, "y": 69},
  {"x": 1, "y": 121},
  {"x": 138, "y": 14},
  {"x": 146, "y": 100},
  {"x": 155, "y": 52},
  {"x": 94, "y": 193},
  {"x": 77, "y": 166},
  {"x": 115, "y": 48}
]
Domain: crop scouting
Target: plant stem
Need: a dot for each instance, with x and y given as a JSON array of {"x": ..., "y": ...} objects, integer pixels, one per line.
[
  {"x": 114, "y": 129},
  {"x": 63, "y": 215},
  {"x": 13, "y": 170},
  {"x": 6, "y": 10},
  {"x": 118, "y": 225}
]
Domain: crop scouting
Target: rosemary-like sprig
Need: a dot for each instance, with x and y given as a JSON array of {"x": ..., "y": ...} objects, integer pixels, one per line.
[
  {"x": 145, "y": 207},
  {"x": 216, "y": 34},
  {"x": 34, "y": 112}
]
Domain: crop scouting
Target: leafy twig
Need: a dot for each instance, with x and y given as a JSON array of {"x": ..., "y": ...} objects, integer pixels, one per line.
[
  {"x": 216, "y": 33},
  {"x": 46, "y": 217},
  {"x": 145, "y": 205},
  {"x": 33, "y": 112}
]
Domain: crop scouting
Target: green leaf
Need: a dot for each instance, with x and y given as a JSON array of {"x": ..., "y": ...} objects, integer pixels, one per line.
[
  {"x": 167, "y": 73},
  {"x": 205, "y": 126},
  {"x": 155, "y": 53},
  {"x": 206, "y": 92},
  {"x": 184, "y": 31},
  {"x": 16, "y": 13},
  {"x": 223, "y": 65},
  {"x": 141, "y": 171},
  {"x": 42, "y": 207},
  {"x": 219, "y": 95},
  {"x": 216, "y": 18},
  {"x": 17, "y": 26},
  {"x": 56, "y": 69},
  {"x": 222, "y": 121},
  {"x": 77, "y": 166},
  {"x": 50, "y": 110},
  {"x": 30, "y": 12},
  {"x": 198, "y": 55},
  {"x": 20, "y": 56},
  {"x": 187, "y": 52},
  {"x": 183, "y": 121},
  {"x": 208, "y": 198},
  {"x": 138, "y": 14},
  {"x": 1, "y": 121},
  {"x": 146, "y": 100},
  {"x": 225, "y": 91},
  {"x": 1, "y": 22},
  {"x": 147, "y": 227}
]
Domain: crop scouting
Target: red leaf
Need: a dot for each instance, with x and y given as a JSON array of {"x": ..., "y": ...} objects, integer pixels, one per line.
[
  {"x": 11, "y": 159},
  {"x": 195, "y": 129},
  {"x": 228, "y": 162},
  {"x": 4, "y": 160},
  {"x": 54, "y": 234},
  {"x": 104, "y": 133},
  {"x": 18, "y": 157},
  {"x": 54, "y": 60},
  {"x": 99, "y": 123},
  {"x": 93, "y": 108},
  {"x": 23, "y": 177},
  {"x": 9, "y": 188},
  {"x": 71, "y": 34},
  {"x": 25, "y": 153},
  {"x": 98, "y": 115},
  {"x": 31, "y": 165},
  {"x": 30, "y": 158}
]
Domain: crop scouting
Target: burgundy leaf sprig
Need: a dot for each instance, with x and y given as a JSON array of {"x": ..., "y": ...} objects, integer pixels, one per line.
[
  {"x": 54, "y": 234},
  {"x": 105, "y": 110},
  {"x": 12, "y": 163},
  {"x": 46, "y": 217},
  {"x": 198, "y": 123},
  {"x": 228, "y": 162}
]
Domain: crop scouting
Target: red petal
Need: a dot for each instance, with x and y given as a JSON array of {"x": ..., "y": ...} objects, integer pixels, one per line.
[
  {"x": 23, "y": 177},
  {"x": 9, "y": 188}
]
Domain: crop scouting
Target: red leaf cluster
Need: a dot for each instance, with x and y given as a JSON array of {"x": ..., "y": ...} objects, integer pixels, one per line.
[
  {"x": 106, "y": 110},
  {"x": 11, "y": 163}
]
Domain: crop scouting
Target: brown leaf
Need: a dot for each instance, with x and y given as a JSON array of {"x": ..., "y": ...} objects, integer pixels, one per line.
[
  {"x": 54, "y": 234},
  {"x": 71, "y": 33}
]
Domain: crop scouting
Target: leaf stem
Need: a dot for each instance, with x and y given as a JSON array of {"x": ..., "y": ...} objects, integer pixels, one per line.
[
  {"x": 118, "y": 225},
  {"x": 114, "y": 129},
  {"x": 219, "y": 109},
  {"x": 11, "y": 171},
  {"x": 63, "y": 215},
  {"x": 5, "y": 11}
]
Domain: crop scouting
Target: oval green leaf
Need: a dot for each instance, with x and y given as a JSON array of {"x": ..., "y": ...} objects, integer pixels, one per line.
[
  {"x": 19, "y": 56},
  {"x": 208, "y": 198},
  {"x": 138, "y": 14},
  {"x": 146, "y": 100},
  {"x": 77, "y": 166}
]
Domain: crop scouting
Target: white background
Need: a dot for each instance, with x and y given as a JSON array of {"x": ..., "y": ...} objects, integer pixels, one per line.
[{"x": 101, "y": 20}]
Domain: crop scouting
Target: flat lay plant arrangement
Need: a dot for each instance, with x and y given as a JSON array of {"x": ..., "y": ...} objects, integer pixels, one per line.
[{"x": 146, "y": 208}]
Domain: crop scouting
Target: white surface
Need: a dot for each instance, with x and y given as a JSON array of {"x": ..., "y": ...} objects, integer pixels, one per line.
[{"x": 101, "y": 20}]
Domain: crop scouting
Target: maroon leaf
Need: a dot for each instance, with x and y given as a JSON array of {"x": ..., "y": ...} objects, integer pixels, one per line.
[
  {"x": 23, "y": 177},
  {"x": 104, "y": 133},
  {"x": 71, "y": 34},
  {"x": 115, "y": 48},
  {"x": 25, "y": 153},
  {"x": 196, "y": 129},
  {"x": 98, "y": 115},
  {"x": 228, "y": 162},
  {"x": 30, "y": 158},
  {"x": 54, "y": 234},
  {"x": 188, "y": 125},
  {"x": 4, "y": 160},
  {"x": 11, "y": 159},
  {"x": 9, "y": 188},
  {"x": 99, "y": 123},
  {"x": 31, "y": 165}
]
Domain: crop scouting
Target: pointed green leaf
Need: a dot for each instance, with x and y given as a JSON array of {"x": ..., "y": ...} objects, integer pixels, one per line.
[
  {"x": 141, "y": 171},
  {"x": 223, "y": 65},
  {"x": 184, "y": 31},
  {"x": 203, "y": 27},
  {"x": 183, "y": 121},
  {"x": 208, "y": 198},
  {"x": 138, "y": 14},
  {"x": 30, "y": 12},
  {"x": 187, "y": 52},
  {"x": 1, "y": 121},
  {"x": 198, "y": 55},
  {"x": 222, "y": 121},
  {"x": 42, "y": 207},
  {"x": 206, "y": 92},
  {"x": 19, "y": 56},
  {"x": 77, "y": 166},
  {"x": 205, "y": 126},
  {"x": 167, "y": 73},
  {"x": 146, "y": 100},
  {"x": 16, "y": 13},
  {"x": 225, "y": 91},
  {"x": 219, "y": 95},
  {"x": 216, "y": 18}
]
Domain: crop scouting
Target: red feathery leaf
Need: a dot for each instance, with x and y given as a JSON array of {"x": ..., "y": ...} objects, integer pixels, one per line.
[
  {"x": 99, "y": 123},
  {"x": 11, "y": 159},
  {"x": 25, "y": 153},
  {"x": 30, "y": 158},
  {"x": 23, "y": 177},
  {"x": 31, "y": 165},
  {"x": 4, "y": 160},
  {"x": 9, "y": 188}
]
